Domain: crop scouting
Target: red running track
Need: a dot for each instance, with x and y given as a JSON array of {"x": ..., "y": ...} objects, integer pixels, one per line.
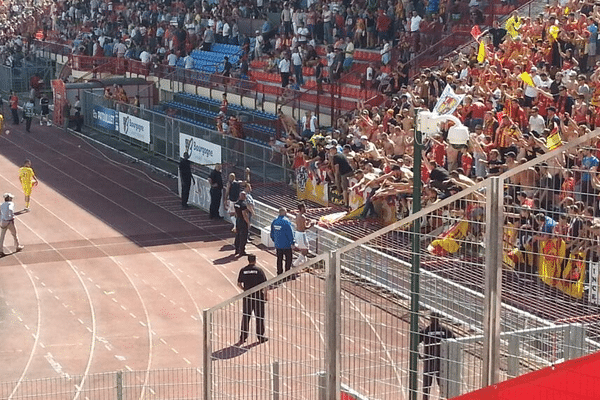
[{"x": 114, "y": 274}]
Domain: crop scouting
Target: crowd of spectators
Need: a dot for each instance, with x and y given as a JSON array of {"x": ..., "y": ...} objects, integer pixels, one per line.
[
  {"x": 535, "y": 86},
  {"x": 512, "y": 117}
]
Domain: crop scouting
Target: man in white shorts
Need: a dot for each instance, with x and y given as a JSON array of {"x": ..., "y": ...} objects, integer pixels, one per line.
[{"x": 302, "y": 224}]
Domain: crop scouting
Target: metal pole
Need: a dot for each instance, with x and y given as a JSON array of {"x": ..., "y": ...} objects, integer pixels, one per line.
[
  {"x": 413, "y": 384},
  {"x": 275, "y": 380},
  {"x": 206, "y": 344},
  {"x": 493, "y": 282},
  {"x": 332, "y": 328},
  {"x": 119, "y": 385}
]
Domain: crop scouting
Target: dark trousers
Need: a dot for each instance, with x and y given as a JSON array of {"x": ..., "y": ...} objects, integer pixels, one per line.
[
  {"x": 241, "y": 236},
  {"x": 215, "y": 201},
  {"x": 431, "y": 369},
  {"x": 28, "y": 124},
  {"x": 285, "y": 79},
  {"x": 186, "y": 184},
  {"x": 254, "y": 305},
  {"x": 78, "y": 122},
  {"x": 288, "y": 260},
  {"x": 15, "y": 115}
]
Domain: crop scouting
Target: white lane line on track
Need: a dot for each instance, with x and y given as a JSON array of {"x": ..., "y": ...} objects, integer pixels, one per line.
[
  {"x": 119, "y": 205},
  {"x": 35, "y": 335}
]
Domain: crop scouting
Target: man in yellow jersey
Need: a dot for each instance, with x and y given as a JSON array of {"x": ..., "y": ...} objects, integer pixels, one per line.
[{"x": 28, "y": 181}]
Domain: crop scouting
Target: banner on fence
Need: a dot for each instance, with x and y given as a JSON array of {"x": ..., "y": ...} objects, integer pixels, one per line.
[
  {"x": 594, "y": 295},
  {"x": 201, "y": 152},
  {"x": 104, "y": 117},
  {"x": 311, "y": 185},
  {"x": 134, "y": 127}
]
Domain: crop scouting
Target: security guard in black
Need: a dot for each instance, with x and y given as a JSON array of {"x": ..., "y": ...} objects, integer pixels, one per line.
[{"x": 250, "y": 276}]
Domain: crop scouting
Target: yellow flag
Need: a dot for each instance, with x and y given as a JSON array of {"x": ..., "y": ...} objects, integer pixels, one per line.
[
  {"x": 554, "y": 31},
  {"x": 481, "y": 53},
  {"x": 567, "y": 10},
  {"x": 527, "y": 78}
]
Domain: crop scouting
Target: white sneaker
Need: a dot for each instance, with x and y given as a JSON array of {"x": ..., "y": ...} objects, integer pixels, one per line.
[
  {"x": 41, "y": 123},
  {"x": 49, "y": 123}
]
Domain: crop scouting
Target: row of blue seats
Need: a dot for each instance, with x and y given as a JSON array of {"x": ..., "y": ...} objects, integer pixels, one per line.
[
  {"x": 226, "y": 48},
  {"x": 235, "y": 107},
  {"x": 191, "y": 109},
  {"x": 186, "y": 119},
  {"x": 214, "y": 102},
  {"x": 257, "y": 141},
  {"x": 261, "y": 128},
  {"x": 194, "y": 121}
]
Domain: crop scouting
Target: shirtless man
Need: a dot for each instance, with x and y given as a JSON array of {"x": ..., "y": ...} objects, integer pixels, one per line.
[
  {"x": 302, "y": 224},
  {"x": 399, "y": 141},
  {"x": 387, "y": 144},
  {"x": 407, "y": 121},
  {"x": 289, "y": 124},
  {"x": 526, "y": 180}
]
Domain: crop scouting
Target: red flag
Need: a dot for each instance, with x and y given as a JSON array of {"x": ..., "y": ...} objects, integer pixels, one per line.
[{"x": 476, "y": 32}]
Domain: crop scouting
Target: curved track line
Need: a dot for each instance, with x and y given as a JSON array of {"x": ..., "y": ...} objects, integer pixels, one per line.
[
  {"x": 92, "y": 311},
  {"x": 118, "y": 184},
  {"x": 378, "y": 336},
  {"x": 37, "y": 333},
  {"x": 91, "y": 305}
]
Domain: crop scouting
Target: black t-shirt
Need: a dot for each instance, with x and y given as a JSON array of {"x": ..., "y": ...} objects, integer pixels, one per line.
[
  {"x": 185, "y": 169},
  {"x": 439, "y": 174},
  {"x": 342, "y": 161},
  {"x": 497, "y": 35},
  {"x": 240, "y": 206},
  {"x": 432, "y": 337},
  {"x": 234, "y": 191},
  {"x": 251, "y": 276},
  {"x": 216, "y": 177}
]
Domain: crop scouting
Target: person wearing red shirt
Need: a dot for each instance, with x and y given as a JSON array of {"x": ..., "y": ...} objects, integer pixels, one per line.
[
  {"x": 466, "y": 160},
  {"x": 14, "y": 108},
  {"x": 439, "y": 151},
  {"x": 382, "y": 26}
]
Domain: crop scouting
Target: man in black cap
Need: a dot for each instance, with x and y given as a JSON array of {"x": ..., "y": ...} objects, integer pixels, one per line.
[
  {"x": 432, "y": 337},
  {"x": 250, "y": 276}
]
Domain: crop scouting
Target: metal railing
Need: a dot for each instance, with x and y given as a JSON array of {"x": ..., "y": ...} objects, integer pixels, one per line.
[
  {"x": 464, "y": 269},
  {"x": 175, "y": 384},
  {"x": 165, "y": 132}
]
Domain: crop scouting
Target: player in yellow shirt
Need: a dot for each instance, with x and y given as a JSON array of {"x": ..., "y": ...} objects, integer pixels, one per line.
[{"x": 28, "y": 181}]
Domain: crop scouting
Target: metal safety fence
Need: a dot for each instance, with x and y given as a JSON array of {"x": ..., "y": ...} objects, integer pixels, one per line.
[
  {"x": 165, "y": 138},
  {"x": 287, "y": 366},
  {"x": 181, "y": 384}
]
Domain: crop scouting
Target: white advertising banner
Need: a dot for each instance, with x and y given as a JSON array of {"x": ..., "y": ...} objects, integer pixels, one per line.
[
  {"x": 134, "y": 127},
  {"x": 201, "y": 152}
]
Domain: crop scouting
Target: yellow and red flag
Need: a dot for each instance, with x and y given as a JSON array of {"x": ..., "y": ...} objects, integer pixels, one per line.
[{"x": 554, "y": 139}]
